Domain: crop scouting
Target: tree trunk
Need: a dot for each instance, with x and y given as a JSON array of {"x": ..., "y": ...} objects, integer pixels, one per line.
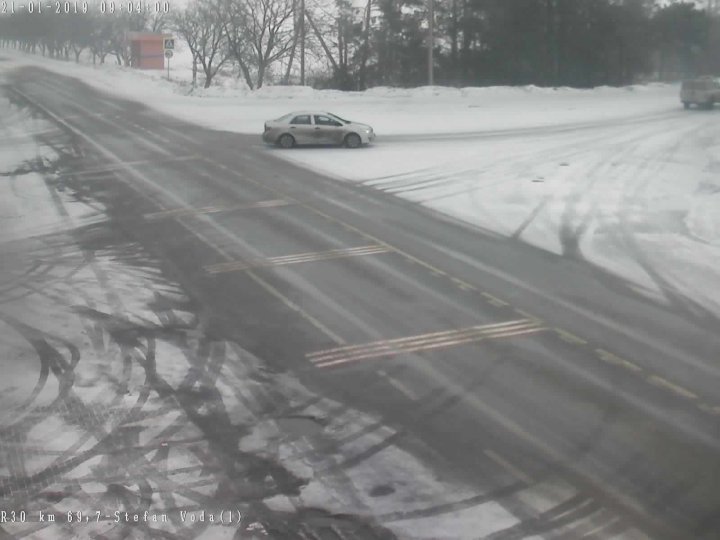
[
  {"x": 286, "y": 79},
  {"x": 261, "y": 75},
  {"x": 454, "y": 43},
  {"x": 194, "y": 71},
  {"x": 323, "y": 44},
  {"x": 366, "y": 47}
]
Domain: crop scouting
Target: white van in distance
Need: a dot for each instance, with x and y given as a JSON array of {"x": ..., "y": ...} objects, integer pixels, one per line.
[{"x": 703, "y": 92}]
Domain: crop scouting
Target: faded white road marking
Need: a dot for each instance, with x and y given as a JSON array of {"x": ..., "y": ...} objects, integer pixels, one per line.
[
  {"x": 181, "y": 212},
  {"x": 235, "y": 266}
]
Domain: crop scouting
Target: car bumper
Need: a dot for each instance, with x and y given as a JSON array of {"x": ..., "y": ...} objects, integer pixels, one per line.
[{"x": 268, "y": 137}]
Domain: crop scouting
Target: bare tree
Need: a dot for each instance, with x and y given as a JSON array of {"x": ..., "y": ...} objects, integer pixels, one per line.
[
  {"x": 200, "y": 25},
  {"x": 259, "y": 32},
  {"x": 157, "y": 21},
  {"x": 100, "y": 39},
  {"x": 365, "y": 50}
]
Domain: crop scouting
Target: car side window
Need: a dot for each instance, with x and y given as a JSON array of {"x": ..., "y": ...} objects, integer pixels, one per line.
[
  {"x": 301, "y": 119},
  {"x": 325, "y": 121}
]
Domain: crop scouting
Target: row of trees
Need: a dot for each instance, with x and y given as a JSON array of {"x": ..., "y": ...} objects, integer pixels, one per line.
[
  {"x": 81, "y": 26},
  {"x": 353, "y": 44}
]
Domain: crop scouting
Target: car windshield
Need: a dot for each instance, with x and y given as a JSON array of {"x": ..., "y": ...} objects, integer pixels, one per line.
[
  {"x": 336, "y": 117},
  {"x": 283, "y": 118}
]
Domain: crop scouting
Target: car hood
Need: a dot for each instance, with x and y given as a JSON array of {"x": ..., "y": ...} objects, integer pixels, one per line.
[{"x": 358, "y": 125}]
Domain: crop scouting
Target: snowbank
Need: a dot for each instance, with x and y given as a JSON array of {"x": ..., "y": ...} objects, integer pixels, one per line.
[{"x": 229, "y": 105}]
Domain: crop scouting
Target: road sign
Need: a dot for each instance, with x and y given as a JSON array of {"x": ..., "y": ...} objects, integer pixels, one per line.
[
  {"x": 168, "y": 44},
  {"x": 168, "y": 54}
]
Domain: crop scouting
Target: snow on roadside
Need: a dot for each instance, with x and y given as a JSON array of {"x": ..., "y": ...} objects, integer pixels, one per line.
[{"x": 391, "y": 111}]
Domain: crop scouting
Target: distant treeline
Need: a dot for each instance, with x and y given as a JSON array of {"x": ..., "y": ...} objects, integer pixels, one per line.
[{"x": 355, "y": 44}]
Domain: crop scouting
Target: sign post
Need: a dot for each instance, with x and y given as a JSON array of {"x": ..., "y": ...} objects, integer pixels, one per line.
[
  {"x": 168, "y": 55},
  {"x": 168, "y": 47}
]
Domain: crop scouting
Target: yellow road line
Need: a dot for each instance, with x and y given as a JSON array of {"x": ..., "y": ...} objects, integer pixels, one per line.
[
  {"x": 419, "y": 338},
  {"x": 339, "y": 356},
  {"x": 235, "y": 266},
  {"x": 462, "y": 284},
  {"x": 512, "y": 469},
  {"x": 711, "y": 409},
  {"x": 423, "y": 348},
  {"x": 569, "y": 337},
  {"x": 180, "y": 212},
  {"x": 672, "y": 387},
  {"x": 611, "y": 358},
  {"x": 494, "y": 300}
]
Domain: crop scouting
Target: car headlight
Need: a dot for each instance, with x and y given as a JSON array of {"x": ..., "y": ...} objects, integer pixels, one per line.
[{"x": 368, "y": 130}]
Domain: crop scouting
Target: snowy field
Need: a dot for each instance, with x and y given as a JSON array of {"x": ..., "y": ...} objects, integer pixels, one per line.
[{"x": 624, "y": 178}]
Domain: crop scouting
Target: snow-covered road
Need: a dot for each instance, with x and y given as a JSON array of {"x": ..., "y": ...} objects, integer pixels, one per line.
[
  {"x": 129, "y": 240},
  {"x": 622, "y": 178}
]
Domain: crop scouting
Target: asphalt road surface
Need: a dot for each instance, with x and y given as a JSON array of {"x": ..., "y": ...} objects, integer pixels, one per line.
[{"x": 327, "y": 361}]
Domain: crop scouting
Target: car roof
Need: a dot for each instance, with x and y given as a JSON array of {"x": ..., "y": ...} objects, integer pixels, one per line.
[
  {"x": 295, "y": 113},
  {"x": 289, "y": 116}
]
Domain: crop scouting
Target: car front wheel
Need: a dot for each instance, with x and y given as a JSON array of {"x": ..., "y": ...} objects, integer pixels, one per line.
[
  {"x": 353, "y": 140},
  {"x": 286, "y": 141}
]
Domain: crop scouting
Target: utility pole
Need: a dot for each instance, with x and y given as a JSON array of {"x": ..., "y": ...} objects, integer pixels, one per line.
[
  {"x": 194, "y": 71},
  {"x": 302, "y": 42},
  {"x": 431, "y": 40}
]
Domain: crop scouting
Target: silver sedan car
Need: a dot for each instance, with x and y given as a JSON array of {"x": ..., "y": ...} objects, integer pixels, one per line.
[{"x": 312, "y": 127}]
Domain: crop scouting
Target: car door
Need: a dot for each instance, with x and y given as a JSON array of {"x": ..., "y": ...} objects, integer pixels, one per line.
[
  {"x": 328, "y": 130},
  {"x": 302, "y": 129}
]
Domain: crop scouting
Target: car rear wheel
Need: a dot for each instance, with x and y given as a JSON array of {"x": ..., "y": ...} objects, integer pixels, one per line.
[
  {"x": 286, "y": 141},
  {"x": 353, "y": 140}
]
